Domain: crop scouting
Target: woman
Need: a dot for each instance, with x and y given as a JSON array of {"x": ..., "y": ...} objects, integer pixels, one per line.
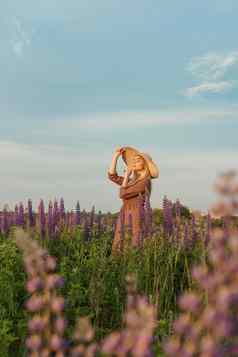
[{"x": 135, "y": 185}]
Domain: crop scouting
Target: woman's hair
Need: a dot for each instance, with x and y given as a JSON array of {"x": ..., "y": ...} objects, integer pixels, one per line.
[
  {"x": 149, "y": 187},
  {"x": 149, "y": 184}
]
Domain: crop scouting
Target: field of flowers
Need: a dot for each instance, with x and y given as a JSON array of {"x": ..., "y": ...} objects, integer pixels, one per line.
[{"x": 64, "y": 294}]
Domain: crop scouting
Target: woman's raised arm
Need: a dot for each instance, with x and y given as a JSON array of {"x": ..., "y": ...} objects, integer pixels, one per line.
[{"x": 112, "y": 173}]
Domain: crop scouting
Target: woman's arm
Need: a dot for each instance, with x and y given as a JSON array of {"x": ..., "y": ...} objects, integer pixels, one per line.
[
  {"x": 133, "y": 190},
  {"x": 115, "y": 178},
  {"x": 112, "y": 173},
  {"x": 126, "y": 177}
]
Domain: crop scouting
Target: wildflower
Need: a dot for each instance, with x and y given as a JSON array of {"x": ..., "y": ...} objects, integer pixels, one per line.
[
  {"x": 30, "y": 214},
  {"x": 47, "y": 325},
  {"x": 42, "y": 219},
  {"x": 77, "y": 215},
  {"x": 212, "y": 327},
  {"x": 140, "y": 322}
]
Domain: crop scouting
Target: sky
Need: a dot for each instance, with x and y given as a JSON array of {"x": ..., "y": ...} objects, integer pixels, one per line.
[{"x": 80, "y": 78}]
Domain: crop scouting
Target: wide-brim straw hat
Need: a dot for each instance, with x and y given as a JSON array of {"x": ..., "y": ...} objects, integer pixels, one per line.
[{"x": 128, "y": 154}]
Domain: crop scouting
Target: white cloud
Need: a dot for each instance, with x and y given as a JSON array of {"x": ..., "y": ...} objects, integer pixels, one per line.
[
  {"x": 129, "y": 120},
  {"x": 20, "y": 38},
  {"x": 210, "y": 69},
  {"x": 212, "y": 87},
  {"x": 37, "y": 171},
  {"x": 212, "y": 66}
]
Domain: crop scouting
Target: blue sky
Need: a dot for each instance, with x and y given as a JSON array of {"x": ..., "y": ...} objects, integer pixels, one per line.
[{"x": 80, "y": 78}]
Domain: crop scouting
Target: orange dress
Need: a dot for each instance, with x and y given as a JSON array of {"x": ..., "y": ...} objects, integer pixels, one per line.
[{"x": 133, "y": 196}]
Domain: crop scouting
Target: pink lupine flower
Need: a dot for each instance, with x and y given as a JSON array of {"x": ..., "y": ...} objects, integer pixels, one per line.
[
  {"x": 36, "y": 324},
  {"x": 210, "y": 326},
  {"x": 47, "y": 307},
  {"x": 34, "y": 342},
  {"x": 34, "y": 284},
  {"x": 140, "y": 322},
  {"x": 57, "y": 304}
]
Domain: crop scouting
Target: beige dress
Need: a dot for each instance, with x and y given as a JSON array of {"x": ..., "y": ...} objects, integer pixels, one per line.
[{"x": 133, "y": 196}]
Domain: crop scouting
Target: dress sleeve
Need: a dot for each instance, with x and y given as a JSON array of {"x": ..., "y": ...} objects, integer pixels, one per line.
[
  {"x": 115, "y": 178},
  {"x": 133, "y": 190}
]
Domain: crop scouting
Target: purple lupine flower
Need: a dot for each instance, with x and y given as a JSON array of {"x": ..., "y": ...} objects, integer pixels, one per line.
[
  {"x": 122, "y": 224},
  {"x": 67, "y": 219},
  {"x": 47, "y": 325},
  {"x": 84, "y": 335},
  {"x": 164, "y": 214},
  {"x": 86, "y": 229},
  {"x": 55, "y": 217},
  {"x": 212, "y": 326},
  {"x": 62, "y": 210},
  {"x": 186, "y": 235},
  {"x": 168, "y": 216},
  {"x": 140, "y": 322},
  {"x": 178, "y": 209},
  {"x": 11, "y": 219},
  {"x": 148, "y": 218},
  {"x": 16, "y": 214},
  {"x": 99, "y": 223},
  {"x": 142, "y": 219},
  {"x": 91, "y": 221},
  {"x": 77, "y": 214},
  {"x": 108, "y": 222},
  {"x": 83, "y": 215},
  {"x": 30, "y": 214},
  {"x": 1, "y": 222},
  {"x": 71, "y": 220},
  {"x": 42, "y": 219},
  {"x": 177, "y": 232},
  {"x": 209, "y": 226},
  {"x": 21, "y": 220},
  {"x": 151, "y": 220},
  {"x": 113, "y": 226},
  {"x": 50, "y": 220},
  {"x": 194, "y": 232}
]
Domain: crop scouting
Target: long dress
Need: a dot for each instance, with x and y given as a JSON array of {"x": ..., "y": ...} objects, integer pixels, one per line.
[{"x": 133, "y": 197}]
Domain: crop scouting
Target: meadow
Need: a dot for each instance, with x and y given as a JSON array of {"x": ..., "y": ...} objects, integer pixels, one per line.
[{"x": 64, "y": 294}]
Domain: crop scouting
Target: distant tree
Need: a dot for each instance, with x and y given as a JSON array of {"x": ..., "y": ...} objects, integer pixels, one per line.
[
  {"x": 158, "y": 216},
  {"x": 184, "y": 211}
]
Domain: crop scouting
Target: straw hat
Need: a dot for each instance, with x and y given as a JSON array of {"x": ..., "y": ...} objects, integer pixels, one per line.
[{"x": 128, "y": 154}]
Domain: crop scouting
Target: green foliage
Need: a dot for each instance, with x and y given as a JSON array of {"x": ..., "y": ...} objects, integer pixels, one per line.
[
  {"x": 13, "y": 295},
  {"x": 184, "y": 211},
  {"x": 158, "y": 216}
]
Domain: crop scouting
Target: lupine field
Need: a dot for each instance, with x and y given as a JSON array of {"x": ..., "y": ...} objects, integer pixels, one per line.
[{"x": 64, "y": 294}]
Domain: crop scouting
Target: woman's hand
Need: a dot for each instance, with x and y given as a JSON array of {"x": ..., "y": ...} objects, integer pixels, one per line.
[
  {"x": 119, "y": 151},
  {"x": 127, "y": 171}
]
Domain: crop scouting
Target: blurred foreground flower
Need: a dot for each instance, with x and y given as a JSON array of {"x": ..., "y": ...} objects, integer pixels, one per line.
[
  {"x": 208, "y": 327},
  {"x": 47, "y": 326},
  {"x": 140, "y": 322},
  {"x": 84, "y": 337},
  {"x": 226, "y": 186}
]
